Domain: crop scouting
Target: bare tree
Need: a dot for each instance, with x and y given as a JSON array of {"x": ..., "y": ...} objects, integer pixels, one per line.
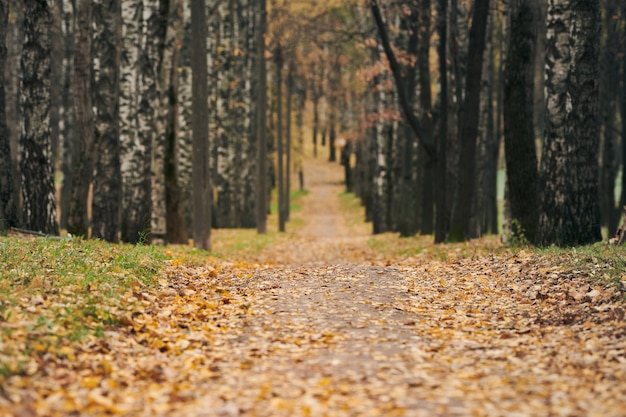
[{"x": 460, "y": 228}]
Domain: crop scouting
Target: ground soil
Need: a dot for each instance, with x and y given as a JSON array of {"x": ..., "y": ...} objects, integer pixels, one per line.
[
  {"x": 334, "y": 331},
  {"x": 318, "y": 325}
]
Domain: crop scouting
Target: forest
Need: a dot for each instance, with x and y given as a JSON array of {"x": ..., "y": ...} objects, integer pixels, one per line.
[{"x": 158, "y": 120}]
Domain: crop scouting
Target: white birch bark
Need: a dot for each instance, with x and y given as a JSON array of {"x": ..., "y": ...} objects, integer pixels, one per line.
[
  {"x": 184, "y": 143},
  {"x": 381, "y": 173},
  {"x": 131, "y": 148}
]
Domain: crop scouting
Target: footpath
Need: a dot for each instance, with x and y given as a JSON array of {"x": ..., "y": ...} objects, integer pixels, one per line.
[{"x": 320, "y": 326}]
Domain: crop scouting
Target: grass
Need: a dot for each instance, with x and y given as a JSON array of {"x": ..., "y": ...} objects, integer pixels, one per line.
[
  {"x": 241, "y": 244},
  {"x": 294, "y": 197},
  {"x": 57, "y": 292},
  {"x": 600, "y": 261},
  {"x": 353, "y": 211},
  {"x": 84, "y": 263}
]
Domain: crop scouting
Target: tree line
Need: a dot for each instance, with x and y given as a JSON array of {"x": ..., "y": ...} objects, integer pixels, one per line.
[
  {"x": 454, "y": 84},
  {"x": 140, "y": 120}
]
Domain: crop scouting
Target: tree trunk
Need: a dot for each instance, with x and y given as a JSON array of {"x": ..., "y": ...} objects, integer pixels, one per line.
[
  {"x": 403, "y": 102},
  {"x": 485, "y": 206},
  {"x": 107, "y": 184},
  {"x": 226, "y": 74},
  {"x": 456, "y": 65},
  {"x": 162, "y": 27},
  {"x": 137, "y": 114},
  {"x": 8, "y": 206},
  {"x": 282, "y": 197},
  {"x": 70, "y": 131},
  {"x": 324, "y": 96},
  {"x": 334, "y": 107},
  {"x": 609, "y": 97},
  {"x": 497, "y": 58},
  {"x": 491, "y": 153},
  {"x": 427, "y": 209},
  {"x": 519, "y": 138},
  {"x": 461, "y": 219},
  {"x": 151, "y": 119},
  {"x": 35, "y": 149},
  {"x": 133, "y": 220},
  {"x": 380, "y": 196},
  {"x": 56, "y": 78},
  {"x": 540, "y": 60},
  {"x": 199, "y": 123},
  {"x": 316, "y": 114},
  {"x": 14, "y": 43},
  {"x": 301, "y": 94},
  {"x": 288, "y": 139},
  {"x": 409, "y": 200},
  {"x": 185, "y": 155},
  {"x": 623, "y": 113},
  {"x": 78, "y": 222},
  {"x": 261, "y": 121},
  {"x": 249, "y": 85},
  {"x": 142, "y": 205},
  {"x": 568, "y": 181},
  {"x": 176, "y": 231},
  {"x": 441, "y": 218}
]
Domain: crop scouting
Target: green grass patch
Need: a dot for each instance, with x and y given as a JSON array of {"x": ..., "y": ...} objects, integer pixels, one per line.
[
  {"x": 352, "y": 210},
  {"x": 294, "y": 205},
  {"x": 599, "y": 261},
  {"x": 55, "y": 292},
  {"x": 391, "y": 245},
  {"x": 241, "y": 243}
]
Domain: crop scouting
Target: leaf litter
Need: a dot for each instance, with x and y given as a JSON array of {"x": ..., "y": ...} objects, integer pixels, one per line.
[{"x": 318, "y": 334}]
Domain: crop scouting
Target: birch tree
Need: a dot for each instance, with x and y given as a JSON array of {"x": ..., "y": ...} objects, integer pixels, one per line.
[
  {"x": 107, "y": 184},
  {"x": 35, "y": 149},
  {"x": 138, "y": 92},
  {"x": 69, "y": 130},
  {"x": 14, "y": 44},
  {"x": 568, "y": 178}
]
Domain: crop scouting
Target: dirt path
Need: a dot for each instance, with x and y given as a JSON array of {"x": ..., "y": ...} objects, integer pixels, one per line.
[
  {"x": 478, "y": 337},
  {"x": 326, "y": 236},
  {"x": 321, "y": 210},
  {"x": 316, "y": 335}
]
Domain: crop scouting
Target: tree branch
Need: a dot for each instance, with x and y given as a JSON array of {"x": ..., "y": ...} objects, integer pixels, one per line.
[{"x": 410, "y": 117}]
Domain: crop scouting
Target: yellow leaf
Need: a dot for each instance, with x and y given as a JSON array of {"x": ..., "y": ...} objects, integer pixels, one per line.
[
  {"x": 67, "y": 352},
  {"x": 90, "y": 382}
]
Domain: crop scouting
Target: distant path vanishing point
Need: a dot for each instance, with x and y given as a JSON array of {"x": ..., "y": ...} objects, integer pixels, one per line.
[{"x": 326, "y": 236}]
